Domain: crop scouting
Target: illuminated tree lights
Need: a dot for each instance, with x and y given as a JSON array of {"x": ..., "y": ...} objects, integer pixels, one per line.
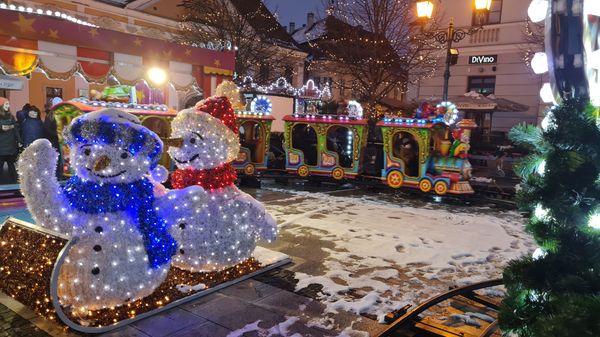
[
  {"x": 225, "y": 233},
  {"x": 124, "y": 249}
]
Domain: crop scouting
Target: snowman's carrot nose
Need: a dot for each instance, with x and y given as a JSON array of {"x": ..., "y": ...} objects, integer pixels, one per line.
[
  {"x": 101, "y": 163},
  {"x": 174, "y": 142}
]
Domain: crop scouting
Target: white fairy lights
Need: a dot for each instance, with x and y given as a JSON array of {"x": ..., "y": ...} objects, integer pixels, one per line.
[
  {"x": 104, "y": 205},
  {"x": 47, "y": 12},
  {"x": 225, "y": 233}
]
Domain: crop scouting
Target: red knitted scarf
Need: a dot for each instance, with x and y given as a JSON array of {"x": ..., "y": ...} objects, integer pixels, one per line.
[{"x": 210, "y": 179}]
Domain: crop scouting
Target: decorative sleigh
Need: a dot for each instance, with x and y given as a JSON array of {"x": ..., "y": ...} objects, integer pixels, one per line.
[{"x": 31, "y": 258}]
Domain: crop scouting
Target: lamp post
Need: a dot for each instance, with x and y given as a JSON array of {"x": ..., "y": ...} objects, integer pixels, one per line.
[{"x": 424, "y": 13}]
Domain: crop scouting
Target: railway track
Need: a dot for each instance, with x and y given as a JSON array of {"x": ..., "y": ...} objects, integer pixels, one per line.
[{"x": 467, "y": 311}]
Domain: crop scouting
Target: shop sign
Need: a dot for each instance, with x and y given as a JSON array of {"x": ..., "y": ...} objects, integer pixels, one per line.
[
  {"x": 483, "y": 59},
  {"x": 10, "y": 83}
]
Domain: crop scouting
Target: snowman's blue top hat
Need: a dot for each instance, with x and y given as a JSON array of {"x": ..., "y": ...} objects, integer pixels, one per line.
[{"x": 112, "y": 126}]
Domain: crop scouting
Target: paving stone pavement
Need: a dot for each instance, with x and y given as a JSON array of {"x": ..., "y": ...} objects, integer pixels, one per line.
[{"x": 215, "y": 315}]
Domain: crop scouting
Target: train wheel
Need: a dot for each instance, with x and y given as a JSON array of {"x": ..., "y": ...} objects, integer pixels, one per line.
[
  {"x": 303, "y": 171},
  {"x": 440, "y": 188},
  {"x": 425, "y": 185},
  {"x": 395, "y": 179},
  {"x": 337, "y": 173},
  {"x": 249, "y": 169}
]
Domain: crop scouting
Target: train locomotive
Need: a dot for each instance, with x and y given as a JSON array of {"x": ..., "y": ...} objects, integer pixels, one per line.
[{"x": 428, "y": 151}]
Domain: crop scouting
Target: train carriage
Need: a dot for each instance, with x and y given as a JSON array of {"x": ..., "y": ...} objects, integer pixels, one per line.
[
  {"x": 324, "y": 145},
  {"x": 155, "y": 117},
  {"x": 419, "y": 154},
  {"x": 255, "y": 133}
]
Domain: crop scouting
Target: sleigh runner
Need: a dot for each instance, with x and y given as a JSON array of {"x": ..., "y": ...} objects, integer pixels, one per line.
[{"x": 31, "y": 258}]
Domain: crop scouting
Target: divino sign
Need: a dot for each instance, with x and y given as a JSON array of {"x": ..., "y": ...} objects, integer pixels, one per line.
[{"x": 483, "y": 59}]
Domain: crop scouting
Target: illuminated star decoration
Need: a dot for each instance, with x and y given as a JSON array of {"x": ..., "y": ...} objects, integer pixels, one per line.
[
  {"x": 53, "y": 34},
  {"x": 25, "y": 25}
]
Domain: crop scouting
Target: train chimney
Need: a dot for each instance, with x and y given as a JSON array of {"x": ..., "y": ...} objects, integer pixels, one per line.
[{"x": 292, "y": 27}]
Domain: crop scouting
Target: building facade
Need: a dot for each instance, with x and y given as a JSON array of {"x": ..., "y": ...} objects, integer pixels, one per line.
[
  {"x": 491, "y": 61},
  {"x": 70, "y": 49}
]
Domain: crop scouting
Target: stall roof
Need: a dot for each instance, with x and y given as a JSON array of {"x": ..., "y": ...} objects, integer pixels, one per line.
[
  {"x": 476, "y": 102},
  {"x": 325, "y": 119}
]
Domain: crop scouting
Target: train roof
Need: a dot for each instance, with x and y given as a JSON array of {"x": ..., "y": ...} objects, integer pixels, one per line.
[
  {"x": 136, "y": 109},
  {"x": 243, "y": 114},
  {"x": 414, "y": 123},
  {"x": 325, "y": 119}
]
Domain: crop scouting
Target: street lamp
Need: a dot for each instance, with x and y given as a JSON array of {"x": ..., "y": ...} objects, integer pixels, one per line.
[{"x": 424, "y": 12}]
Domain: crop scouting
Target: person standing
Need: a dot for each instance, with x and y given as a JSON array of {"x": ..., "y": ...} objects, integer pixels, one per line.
[
  {"x": 10, "y": 140},
  {"x": 51, "y": 133},
  {"x": 22, "y": 113},
  {"x": 32, "y": 127}
]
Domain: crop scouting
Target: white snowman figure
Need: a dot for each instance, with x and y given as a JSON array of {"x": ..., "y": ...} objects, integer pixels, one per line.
[
  {"x": 225, "y": 233},
  {"x": 124, "y": 249}
]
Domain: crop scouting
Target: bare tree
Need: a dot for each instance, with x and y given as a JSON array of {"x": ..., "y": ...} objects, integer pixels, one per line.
[
  {"x": 375, "y": 43},
  {"x": 247, "y": 26}
]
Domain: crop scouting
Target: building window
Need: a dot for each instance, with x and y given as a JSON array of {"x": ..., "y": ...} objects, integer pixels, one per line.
[
  {"x": 492, "y": 17},
  {"x": 51, "y": 93},
  {"x": 342, "y": 87},
  {"x": 484, "y": 85}
]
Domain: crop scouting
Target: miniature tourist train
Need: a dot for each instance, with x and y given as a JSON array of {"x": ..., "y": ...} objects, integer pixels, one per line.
[{"x": 427, "y": 151}]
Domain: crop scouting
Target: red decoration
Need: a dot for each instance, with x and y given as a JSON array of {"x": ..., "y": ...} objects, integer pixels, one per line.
[
  {"x": 220, "y": 107},
  {"x": 210, "y": 179}
]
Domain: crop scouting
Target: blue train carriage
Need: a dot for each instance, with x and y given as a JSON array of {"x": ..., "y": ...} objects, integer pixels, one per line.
[
  {"x": 418, "y": 153},
  {"x": 324, "y": 145},
  {"x": 255, "y": 133}
]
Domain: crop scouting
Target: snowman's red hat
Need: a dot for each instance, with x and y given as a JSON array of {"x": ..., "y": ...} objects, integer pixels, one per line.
[{"x": 220, "y": 108}]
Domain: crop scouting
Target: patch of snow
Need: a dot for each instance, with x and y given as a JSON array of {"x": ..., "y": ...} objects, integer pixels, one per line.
[
  {"x": 184, "y": 288},
  {"x": 387, "y": 254},
  {"x": 480, "y": 316},
  {"x": 465, "y": 319},
  {"x": 482, "y": 180},
  {"x": 247, "y": 328},
  {"x": 267, "y": 256}
]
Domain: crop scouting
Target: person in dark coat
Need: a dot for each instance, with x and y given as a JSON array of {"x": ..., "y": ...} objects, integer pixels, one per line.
[
  {"x": 22, "y": 113},
  {"x": 32, "y": 127},
  {"x": 10, "y": 140},
  {"x": 51, "y": 133}
]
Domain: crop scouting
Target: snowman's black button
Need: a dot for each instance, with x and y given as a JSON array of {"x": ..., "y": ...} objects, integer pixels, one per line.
[
  {"x": 97, "y": 248},
  {"x": 182, "y": 225},
  {"x": 96, "y": 271},
  {"x": 182, "y": 251},
  {"x": 99, "y": 229}
]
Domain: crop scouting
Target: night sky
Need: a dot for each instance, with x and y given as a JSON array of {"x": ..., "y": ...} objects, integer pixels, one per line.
[{"x": 294, "y": 10}]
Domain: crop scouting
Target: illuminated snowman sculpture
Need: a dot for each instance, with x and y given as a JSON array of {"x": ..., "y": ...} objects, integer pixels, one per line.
[
  {"x": 225, "y": 233},
  {"x": 123, "y": 249}
]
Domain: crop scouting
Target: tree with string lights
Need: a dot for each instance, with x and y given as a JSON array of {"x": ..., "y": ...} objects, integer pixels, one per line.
[
  {"x": 259, "y": 41},
  {"x": 376, "y": 44}
]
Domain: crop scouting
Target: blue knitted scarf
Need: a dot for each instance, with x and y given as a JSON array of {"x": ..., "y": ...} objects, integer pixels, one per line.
[{"x": 135, "y": 198}]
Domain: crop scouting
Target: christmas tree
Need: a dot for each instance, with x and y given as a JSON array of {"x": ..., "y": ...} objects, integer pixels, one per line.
[{"x": 556, "y": 292}]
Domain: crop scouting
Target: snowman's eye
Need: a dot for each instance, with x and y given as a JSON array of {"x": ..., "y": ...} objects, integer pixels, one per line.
[
  {"x": 87, "y": 152},
  {"x": 124, "y": 155},
  {"x": 193, "y": 140}
]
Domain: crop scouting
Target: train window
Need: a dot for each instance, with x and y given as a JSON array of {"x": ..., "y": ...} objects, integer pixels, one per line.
[
  {"x": 340, "y": 141},
  {"x": 304, "y": 138},
  {"x": 251, "y": 138},
  {"x": 406, "y": 148},
  {"x": 158, "y": 125}
]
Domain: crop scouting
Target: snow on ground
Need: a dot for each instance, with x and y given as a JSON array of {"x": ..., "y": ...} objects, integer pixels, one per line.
[{"x": 377, "y": 256}]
